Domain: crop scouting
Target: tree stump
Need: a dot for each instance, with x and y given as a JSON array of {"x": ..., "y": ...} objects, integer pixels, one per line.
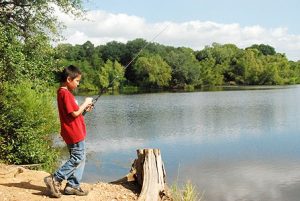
[{"x": 149, "y": 172}]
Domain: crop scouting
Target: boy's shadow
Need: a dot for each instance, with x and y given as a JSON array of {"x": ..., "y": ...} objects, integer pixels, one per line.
[{"x": 27, "y": 185}]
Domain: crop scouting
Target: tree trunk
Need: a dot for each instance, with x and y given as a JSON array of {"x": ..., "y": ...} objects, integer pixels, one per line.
[{"x": 149, "y": 172}]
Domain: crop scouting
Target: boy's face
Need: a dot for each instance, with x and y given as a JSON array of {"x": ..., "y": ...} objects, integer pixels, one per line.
[{"x": 73, "y": 84}]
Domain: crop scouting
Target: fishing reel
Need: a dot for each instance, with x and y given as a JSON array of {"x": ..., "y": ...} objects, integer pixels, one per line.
[{"x": 92, "y": 107}]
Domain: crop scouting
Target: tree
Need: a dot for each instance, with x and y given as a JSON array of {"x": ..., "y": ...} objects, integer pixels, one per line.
[
  {"x": 295, "y": 67},
  {"x": 277, "y": 70},
  {"x": 252, "y": 67},
  {"x": 225, "y": 59},
  {"x": 185, "y": 67},
  {"x": 264, "y": 49},
  {"x": 26, "y": 30},
  {"x": 132, "y": 49},
  {"x": 110, "y": 75},
  {"x": 12, "y": 57},
  {"x": 152, "y": 71},
  {"x": 113, "y": 51},
  {"x": 27, "y": 120},
  {"x": 64, "y": 51},
  {"x": 209, "y": 73},
  {"x": 27, "y": 116},
  {"x": 35, "y": 17},
  {"x": 88, "y": 47}
]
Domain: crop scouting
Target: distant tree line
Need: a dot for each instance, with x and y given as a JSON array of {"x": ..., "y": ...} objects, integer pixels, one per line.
[{"x": 160, "y": 66}]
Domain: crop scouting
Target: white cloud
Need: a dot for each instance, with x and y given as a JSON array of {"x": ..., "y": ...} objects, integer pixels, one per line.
[{"x": 101, "y": 27}]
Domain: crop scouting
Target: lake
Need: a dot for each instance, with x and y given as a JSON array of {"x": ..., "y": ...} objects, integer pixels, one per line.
[{"x": 232, "y": 144}]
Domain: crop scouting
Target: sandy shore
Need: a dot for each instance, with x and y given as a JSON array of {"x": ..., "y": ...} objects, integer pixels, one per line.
[{"x": 19, "y": 184}]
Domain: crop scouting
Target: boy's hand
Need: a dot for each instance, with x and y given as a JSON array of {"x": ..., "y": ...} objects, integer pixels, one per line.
[
  {"x": 89, "y": 107},
  {"x": 88, "y": 101}
]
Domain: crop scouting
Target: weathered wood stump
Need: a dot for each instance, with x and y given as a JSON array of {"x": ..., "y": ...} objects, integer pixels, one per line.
[{"x": 149, "y": 172}]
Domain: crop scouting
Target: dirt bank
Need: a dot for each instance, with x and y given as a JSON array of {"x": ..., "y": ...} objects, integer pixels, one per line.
[{"x": 19, "y": 184}]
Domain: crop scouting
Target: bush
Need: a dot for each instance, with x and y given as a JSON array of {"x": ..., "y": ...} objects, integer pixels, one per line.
[{"x": 28, "y": 120}]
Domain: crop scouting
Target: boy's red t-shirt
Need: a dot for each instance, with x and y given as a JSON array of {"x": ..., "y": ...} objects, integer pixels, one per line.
[{"x": 73, "y": 129}]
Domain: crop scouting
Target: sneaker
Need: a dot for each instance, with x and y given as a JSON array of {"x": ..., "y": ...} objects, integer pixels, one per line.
[
  {"x": 53, "y": 186},
  {"x": 75, "y": 191}
]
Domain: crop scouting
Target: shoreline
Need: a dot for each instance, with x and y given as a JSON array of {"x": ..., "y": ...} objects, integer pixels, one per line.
[{"x": 18, "y": 184}]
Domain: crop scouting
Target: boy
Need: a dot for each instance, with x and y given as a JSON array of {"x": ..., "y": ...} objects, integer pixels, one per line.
[{"x": 73, "y": 131}]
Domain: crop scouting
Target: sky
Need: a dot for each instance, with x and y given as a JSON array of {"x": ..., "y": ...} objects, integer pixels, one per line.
[{"x": 190, "y": 23}]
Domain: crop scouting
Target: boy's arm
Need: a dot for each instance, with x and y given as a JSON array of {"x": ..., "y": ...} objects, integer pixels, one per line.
[{"x": 87, "y": 102}]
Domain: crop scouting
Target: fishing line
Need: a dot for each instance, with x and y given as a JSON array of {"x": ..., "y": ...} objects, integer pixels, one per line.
[{"x": 102, "y": 91}]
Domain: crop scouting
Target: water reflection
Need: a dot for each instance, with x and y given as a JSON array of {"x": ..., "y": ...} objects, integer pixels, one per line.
[
  {"x": 247, "y": 180},
  {"x": 234, "y": 145}
]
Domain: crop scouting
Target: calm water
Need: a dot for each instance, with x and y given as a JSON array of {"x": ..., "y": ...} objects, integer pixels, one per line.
[{"x": 233, "y": 145}]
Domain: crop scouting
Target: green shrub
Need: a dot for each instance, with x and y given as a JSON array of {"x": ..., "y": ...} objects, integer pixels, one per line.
[{"x": 28, "y": 119}]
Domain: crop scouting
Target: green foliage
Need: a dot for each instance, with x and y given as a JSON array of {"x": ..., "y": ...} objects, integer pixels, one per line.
[
  {"x": 88, "y": 76},
  {"x": 12, "y": 58},
  {"x": 295, "y": 72},
  {"x": 28, "y": 119},
  {"x": 27, "y": 115},
  {"x": 152, "y": 71},
  {"x": 29, "y": 18},
  {"x": 185, "y": 67},
  {"x": 214, "y": 65},
  {"x": 218, "y": 63},
  {"x": 264, "y": 49},
  {"x": 113, "y": 51},
  {"x": 252, "y": 65},
  {"x": 26, "y": 29},
  {"x": 31, "y": 59},
  {"x": 111, "y": 74},
  {"x": 210, "y": 74}
]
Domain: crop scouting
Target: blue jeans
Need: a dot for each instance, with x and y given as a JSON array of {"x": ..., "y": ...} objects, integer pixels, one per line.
[{"x": 72, "y": 170}]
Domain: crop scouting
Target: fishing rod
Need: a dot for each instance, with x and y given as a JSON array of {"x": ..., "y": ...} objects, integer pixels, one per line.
[{"x": 103, "y": 90}]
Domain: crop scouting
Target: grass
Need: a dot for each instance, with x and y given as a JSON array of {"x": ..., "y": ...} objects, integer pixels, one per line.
[{"x": 187, "y": 193}]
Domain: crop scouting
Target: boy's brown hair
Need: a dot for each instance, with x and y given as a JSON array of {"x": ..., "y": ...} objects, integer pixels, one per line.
[{"x": 69, "y": 71}]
